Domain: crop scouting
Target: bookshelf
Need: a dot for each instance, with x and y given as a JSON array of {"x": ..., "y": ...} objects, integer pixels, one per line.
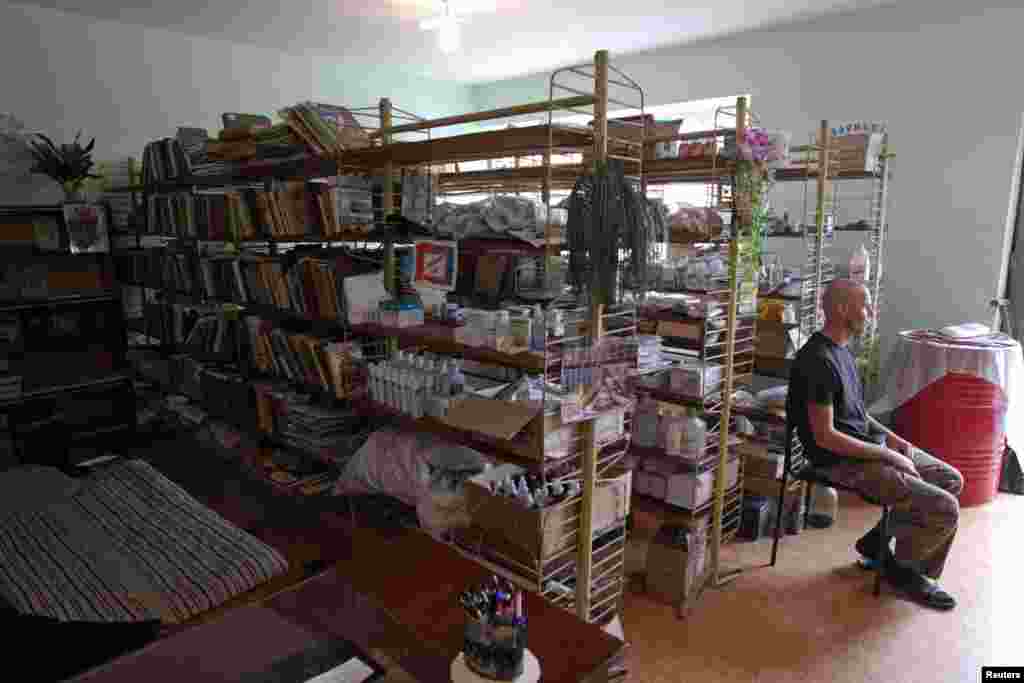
[
  {"x": 64, "y": 383},
  {"x": 588, "y": 571}
]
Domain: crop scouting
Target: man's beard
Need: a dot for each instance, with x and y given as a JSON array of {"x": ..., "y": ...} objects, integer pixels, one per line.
[{"x": 857, "y": 329}]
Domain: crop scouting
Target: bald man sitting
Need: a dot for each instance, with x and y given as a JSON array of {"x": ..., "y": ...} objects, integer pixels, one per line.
[{"x": 849, "y": 447}]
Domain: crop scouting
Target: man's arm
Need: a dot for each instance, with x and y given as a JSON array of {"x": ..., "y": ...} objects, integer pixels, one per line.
[
  {"x": 892, "y": 440},
  {"x": 820, "y": 416}
]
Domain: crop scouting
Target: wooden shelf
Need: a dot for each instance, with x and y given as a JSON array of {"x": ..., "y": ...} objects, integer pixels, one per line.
[
  {"x": 441, "y": 339},
  {"x": 503, "y": 246},
  {"x": 525, "y": 178},
  {"x": 70, "y": 300},
  {"x": 307, "y": 167},
  {"x": 665, "y": 171},
  {"x": 496, "y": 144},
  {"x": 82, "y": 383}
]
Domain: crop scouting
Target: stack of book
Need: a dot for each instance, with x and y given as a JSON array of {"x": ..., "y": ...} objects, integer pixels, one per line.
[
  {"x": 326, "y": 130},
  {"x": 119, "y": 173},
  {"x": 164, "y": 160},
  {"x": 344, "y": 204},
  {"x": 298, "y": 474},
  {"x": 10, "y": 387},
  {"x": 316, "y": 430},
  {"x": 649, "y": 356}
]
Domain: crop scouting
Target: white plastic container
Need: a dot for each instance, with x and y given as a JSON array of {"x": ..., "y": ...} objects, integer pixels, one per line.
[
  {"x": 670, "y": 433},
  {"x": 695, "y": 435},
  {"x": 645, "y": 424},
  {"x": 860, "y": 264}
]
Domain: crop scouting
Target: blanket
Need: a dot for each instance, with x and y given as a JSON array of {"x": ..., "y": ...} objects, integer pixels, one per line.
[{"x": 127, "y": 544}]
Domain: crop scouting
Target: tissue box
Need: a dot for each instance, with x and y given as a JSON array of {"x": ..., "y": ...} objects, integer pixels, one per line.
[
  {"x": 691, "y": 490},
  {"x": 695, "y": 379}
]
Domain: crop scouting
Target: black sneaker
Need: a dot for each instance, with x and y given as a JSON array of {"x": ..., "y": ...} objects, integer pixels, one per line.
[
  {"x": 868, "y": 544},
  {"x": 919, "y": 588}
]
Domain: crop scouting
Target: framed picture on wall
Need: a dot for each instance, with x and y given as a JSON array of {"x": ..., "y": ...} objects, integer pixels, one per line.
[{"x": 87, "y": 228}]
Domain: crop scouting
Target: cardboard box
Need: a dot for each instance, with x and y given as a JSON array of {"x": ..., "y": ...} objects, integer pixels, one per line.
[
  {"x": 858, "y": 152},
  {"x": 691, "y": 490},
  {"x": 691, "y": 330},
  {"x": 776, "y": 340},
  {"x": 672, "y": 570},
  {"x": 543, "y": 532},
  {"x": 762, "y": 460}
]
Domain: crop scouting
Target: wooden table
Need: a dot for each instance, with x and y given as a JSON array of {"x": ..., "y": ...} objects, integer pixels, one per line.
[
  {"x": 397, "y": 595},
  {"x": 251, "y": 643}
]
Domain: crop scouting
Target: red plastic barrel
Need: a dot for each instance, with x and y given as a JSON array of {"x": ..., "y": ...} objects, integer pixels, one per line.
[{"x": 960, "y": 419}]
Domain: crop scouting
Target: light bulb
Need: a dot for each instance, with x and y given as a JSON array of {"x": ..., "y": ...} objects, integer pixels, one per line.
[{"x": 448, "y": 34}]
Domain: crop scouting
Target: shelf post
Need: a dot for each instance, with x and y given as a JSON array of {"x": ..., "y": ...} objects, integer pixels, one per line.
[
  {"x": 585, "y": 542},
  {"x": 387, "y": 203},
  {"x": 744, "y": 215}
]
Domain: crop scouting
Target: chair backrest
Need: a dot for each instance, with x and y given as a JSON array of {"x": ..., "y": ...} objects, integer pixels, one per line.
[{"x": 795, "y": 463}]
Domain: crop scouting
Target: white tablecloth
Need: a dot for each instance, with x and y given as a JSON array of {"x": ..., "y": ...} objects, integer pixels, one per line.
[{"x": 921, "y": 358}]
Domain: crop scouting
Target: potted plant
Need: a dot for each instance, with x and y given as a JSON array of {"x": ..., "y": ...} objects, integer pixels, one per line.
[{"x": 68, "y": 164}]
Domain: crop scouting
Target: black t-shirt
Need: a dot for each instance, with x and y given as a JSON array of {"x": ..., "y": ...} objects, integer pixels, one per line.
[{"x": 825, "y": 373}]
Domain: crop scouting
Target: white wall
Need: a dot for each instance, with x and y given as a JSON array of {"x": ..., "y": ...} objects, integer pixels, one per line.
[
  {"x": 948, "y": 86},
  {"x": 127, "y": 85}
]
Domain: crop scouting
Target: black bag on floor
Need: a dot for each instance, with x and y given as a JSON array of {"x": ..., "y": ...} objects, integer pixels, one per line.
[{"x": 1012, "y": 478}]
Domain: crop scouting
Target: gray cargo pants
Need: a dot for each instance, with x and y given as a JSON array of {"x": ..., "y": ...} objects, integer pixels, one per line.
[{"x": 925, "y": 511}]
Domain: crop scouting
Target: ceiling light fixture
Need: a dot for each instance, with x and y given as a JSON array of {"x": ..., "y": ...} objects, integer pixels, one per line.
[{"x": 447, "y": 26}]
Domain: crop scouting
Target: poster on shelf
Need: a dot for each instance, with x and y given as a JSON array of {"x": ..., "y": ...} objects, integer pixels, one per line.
[
  {"x": 87, "y": 228},
  {"x": 436, "y": 264},
  {"x": 611, "y": 390}
]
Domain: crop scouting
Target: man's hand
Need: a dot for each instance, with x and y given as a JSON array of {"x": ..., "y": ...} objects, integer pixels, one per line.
[
  {"x": 902, "y": 463},
  {"x": 898, "y": 444}
]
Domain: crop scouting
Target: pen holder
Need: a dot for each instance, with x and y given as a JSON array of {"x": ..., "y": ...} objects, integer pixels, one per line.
[{"x": 495, "y": 649}]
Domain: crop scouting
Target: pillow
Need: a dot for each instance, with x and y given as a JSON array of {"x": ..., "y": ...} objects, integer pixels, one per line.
[{"x": 390, "y": 462}]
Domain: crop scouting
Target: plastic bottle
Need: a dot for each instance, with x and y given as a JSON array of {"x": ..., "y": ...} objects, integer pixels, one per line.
[
  {"x": 695, "y": 435},
  {"x": 860, "y": 264},
  {"x": 538, "y": 330},
  {"x": 456, "y": 379},
  {"x": 645, "y": 423},
  {"x": 824, "y": 505}
]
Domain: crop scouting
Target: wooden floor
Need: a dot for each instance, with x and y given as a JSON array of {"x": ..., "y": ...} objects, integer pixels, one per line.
[{"x": 813, "y": 617}]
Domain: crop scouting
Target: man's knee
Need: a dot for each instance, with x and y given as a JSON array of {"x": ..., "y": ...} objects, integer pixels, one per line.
[
  {"x": 956, "y": 481},
  {"x": 946, "y": 507}
]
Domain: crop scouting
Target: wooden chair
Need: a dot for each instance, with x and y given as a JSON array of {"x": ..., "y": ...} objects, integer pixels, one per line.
[{"x": 795, "y": 465}]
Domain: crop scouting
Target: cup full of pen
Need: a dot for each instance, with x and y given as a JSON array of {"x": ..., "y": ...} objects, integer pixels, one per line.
[{"x": 495, "y": 635}]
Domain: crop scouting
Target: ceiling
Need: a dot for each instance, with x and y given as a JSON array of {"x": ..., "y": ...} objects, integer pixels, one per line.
[{"x": 500, "y": 38}]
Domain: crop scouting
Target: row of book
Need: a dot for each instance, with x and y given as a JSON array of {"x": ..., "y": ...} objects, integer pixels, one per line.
[
  {"x": 331, "y": 366},
  {"x": 157, "y": 267},
  {"x": 310, "y": 287},
  {"x": 296, "y": 210},
  {"x": 198, "y": 328}
]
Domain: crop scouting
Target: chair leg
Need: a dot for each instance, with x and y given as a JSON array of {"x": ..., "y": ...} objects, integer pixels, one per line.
[
  {"x": 778, "y": 517},
  {"x": 882, "y": 551}
]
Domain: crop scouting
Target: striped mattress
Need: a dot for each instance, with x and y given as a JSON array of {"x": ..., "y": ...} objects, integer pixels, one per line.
[{"x": 128, "y": 544}]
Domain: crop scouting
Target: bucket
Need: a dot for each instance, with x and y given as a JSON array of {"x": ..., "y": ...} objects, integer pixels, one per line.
[{"x": 960, "y": 419}]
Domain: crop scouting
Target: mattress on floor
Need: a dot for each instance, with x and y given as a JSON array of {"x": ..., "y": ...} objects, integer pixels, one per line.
[{"x": 127, "y": 544}]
